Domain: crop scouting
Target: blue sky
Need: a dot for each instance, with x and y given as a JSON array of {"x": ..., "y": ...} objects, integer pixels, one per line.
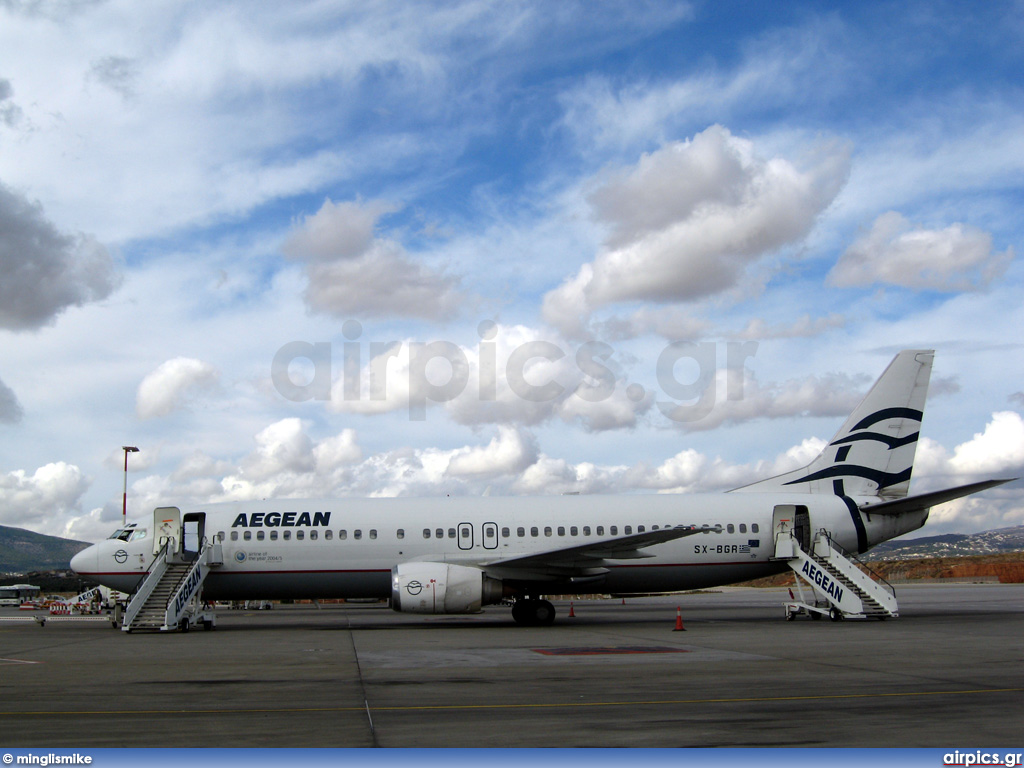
[{"x": 187, "y": 189}]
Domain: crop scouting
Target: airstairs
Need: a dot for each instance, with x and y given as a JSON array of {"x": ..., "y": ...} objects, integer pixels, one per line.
[
  {"x": 841, "y": 586},
  {"x": 168, "y": 599}
]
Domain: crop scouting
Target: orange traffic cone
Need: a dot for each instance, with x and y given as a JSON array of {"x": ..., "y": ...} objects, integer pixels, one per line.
[
  {"x": 572, "y": 613},
  {"x": 679, "y": 620}
]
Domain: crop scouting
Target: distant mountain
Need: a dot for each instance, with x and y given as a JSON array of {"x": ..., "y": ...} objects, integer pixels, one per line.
[
  {"x": 951, "y": 545},
  {"x": 22, "y": 551}
]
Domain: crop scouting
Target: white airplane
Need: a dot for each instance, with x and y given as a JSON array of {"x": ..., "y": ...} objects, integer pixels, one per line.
[{"x": 454, "y": 555}]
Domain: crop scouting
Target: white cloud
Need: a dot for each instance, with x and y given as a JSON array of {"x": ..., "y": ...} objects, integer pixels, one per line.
[
  {"x": 10, "y": 113},
  {"x": 779, "y": 66},
  {"x": 803, "y": 327},
  {"x": 11, "y": 411},
  {"x": 957, "y": 258},
  {"x": 43, "y": 271},
  {"x": 686, "y": 221},
  {"x": 516, "y": 375},
  {"x": 338, "y": 451},
  {"x": 354, "y": 274},
  {"x": 183, "y": 118},
  {"x": 171, "y": 385},
  {"x": 996, "y": 452},
  {"x": 509, "y": 452},
  {"x": 49, "y": 493},
  {"x": 287, "y": 462},
  {"x": 671, "y": 322},
  {"x": 287, "y": 456},
  {"x": 549, "y": 475},
  {"x": 337, "y": 231},
  {"x": 733, "y": 400},
  {"x": 281, "y": 447}
]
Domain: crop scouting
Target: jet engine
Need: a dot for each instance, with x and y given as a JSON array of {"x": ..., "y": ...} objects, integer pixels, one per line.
[{"x": 442, "y": 588}]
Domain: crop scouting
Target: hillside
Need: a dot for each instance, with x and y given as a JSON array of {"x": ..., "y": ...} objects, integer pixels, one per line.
[
  {"x": 22, "y": 551},
  {"x": 1006, "y": 567},
  {"x": 950, "y": 545}
]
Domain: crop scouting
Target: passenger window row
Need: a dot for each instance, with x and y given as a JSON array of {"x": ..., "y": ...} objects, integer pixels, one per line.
[{"x": 439, "y": 533}]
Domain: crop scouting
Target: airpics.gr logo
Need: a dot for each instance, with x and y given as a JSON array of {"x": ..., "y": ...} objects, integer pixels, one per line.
[
  {"x": 981, "y": 758},
  {"x": 482, "y": 372},
  {"x": 240, "y": 557}
]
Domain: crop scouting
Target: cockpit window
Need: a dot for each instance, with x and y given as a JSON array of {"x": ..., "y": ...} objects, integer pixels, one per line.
[
  {"x": 124, "y": 534},
  {"x": 129, "y": 533}
]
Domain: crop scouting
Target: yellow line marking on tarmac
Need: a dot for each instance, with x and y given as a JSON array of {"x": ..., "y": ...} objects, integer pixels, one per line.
[{"x": 467, "y": 707}]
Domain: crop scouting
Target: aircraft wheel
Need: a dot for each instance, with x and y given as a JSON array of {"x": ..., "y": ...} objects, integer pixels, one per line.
[
  {"x": 543, "y": 613},
  {"x": 520, "y": 612}
]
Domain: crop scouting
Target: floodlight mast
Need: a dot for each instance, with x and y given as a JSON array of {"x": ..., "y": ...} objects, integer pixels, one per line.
[{"x": 124, "y": 495}]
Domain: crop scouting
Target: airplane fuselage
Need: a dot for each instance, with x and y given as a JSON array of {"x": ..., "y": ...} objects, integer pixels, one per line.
[{"x": 346, "y": 548}]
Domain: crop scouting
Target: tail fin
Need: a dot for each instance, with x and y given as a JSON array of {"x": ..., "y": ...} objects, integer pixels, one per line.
[{"x": 873, "y": 453}]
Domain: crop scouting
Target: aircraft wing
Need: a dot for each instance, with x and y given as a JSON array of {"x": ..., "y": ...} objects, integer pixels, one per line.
[
  {"x": 923, "y": 501},
  {"x": 585, "y": 560}
]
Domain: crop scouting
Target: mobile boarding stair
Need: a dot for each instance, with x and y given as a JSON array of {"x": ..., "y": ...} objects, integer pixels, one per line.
[
  {"x": 168, "y": 599},
  {"x": 840, "y": 587}
]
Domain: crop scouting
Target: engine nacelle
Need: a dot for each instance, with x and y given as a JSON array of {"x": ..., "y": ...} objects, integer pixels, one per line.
[{"x": 441, "y": 588}]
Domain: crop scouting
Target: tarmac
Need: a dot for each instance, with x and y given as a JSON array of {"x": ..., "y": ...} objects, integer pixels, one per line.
[{"x": 949, "y": 672}]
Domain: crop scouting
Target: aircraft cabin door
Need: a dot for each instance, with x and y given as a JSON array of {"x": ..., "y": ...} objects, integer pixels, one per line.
[
  {"x": 490, "y": 535},
  {"x": 167, "y": 525},
  {"x": 802, "y": 527},
  {"x": 193, "y": 531},
  {"x": 782, "y": 525}
]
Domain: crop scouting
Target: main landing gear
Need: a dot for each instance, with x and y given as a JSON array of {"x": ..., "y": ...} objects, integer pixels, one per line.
[{"x": 531, "y": 612}]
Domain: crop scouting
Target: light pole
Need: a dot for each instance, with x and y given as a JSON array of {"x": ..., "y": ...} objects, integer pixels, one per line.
[{"x": 124, "y": 497}]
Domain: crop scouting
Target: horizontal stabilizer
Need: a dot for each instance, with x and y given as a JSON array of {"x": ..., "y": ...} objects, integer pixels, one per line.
[{"x": 926, "y": 500}]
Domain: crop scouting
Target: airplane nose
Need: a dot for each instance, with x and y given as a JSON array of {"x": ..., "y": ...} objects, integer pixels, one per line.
[{"x": 85, "y": 561}]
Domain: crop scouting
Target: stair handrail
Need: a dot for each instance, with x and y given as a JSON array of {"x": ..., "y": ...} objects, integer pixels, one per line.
[
  {"x": 147, "y": 583},
  {"x": 166, "y": 541},
  {"x": 875, "y": 575},
  {"x": 175, "y": 610}
]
